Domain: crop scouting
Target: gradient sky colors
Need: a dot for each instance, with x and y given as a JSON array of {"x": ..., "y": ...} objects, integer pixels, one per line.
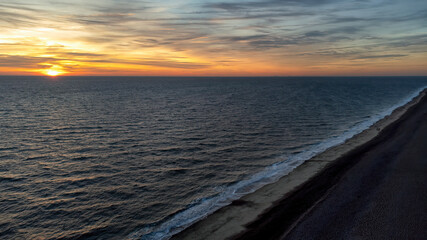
[{"x": 212, "y": 38}]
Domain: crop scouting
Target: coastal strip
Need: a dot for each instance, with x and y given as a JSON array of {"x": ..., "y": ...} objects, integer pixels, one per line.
[{"x": 275, "y": 209}]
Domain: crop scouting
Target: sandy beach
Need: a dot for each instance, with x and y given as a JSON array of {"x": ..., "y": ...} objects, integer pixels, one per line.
[{"x": 370, "y": 187}]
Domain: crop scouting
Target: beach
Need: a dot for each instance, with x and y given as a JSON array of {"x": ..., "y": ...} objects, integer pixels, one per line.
[{"x": 372, "y": 186}]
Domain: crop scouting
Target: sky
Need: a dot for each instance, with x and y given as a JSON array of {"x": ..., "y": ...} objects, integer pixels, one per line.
[{"x": 213, "y": 38}]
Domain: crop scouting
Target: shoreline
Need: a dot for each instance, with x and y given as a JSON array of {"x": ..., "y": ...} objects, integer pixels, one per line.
[{"x": 242, "y": 216}]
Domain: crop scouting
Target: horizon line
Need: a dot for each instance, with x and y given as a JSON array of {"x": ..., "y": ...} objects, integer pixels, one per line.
[{"x": 210, "y": 76}]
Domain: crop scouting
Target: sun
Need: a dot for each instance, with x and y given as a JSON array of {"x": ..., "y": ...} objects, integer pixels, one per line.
[
  {"x": 52, "y": 73},
  {"x": 52, "y": 70}
]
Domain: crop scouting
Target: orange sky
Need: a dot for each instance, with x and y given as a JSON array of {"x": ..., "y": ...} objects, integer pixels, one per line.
[{"x": 207, "y": 38}]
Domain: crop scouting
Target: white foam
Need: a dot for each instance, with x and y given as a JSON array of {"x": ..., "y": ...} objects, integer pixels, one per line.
[{"x": 270, "y": 174}]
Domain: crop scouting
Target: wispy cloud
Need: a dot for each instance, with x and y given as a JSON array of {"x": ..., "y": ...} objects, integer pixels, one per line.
[
  {"x": 381, "y": 56},
  {"x": 24, "y": 61}
]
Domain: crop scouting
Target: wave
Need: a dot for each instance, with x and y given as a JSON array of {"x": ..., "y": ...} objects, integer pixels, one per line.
[{"x": 206, "y": 206}]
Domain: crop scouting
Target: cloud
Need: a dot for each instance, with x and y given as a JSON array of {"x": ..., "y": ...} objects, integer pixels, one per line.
[
  {"x": 243, "y": 5},
  {"x": 348, "y": 30},
  {"x": 200, "y": 34},
  {"x": 24, "y": 61},
  {"x": 382, "y": 56}
]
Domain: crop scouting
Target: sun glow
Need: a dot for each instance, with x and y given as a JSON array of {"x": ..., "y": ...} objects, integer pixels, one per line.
[{"x": 52, "y": 73}]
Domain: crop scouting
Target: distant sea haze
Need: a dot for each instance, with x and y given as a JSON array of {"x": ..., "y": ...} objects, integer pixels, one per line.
[{"x": 144, "y": 157}]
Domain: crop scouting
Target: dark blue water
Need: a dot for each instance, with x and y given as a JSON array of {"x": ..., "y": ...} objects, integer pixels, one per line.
[{"x": 116, "y": 157}]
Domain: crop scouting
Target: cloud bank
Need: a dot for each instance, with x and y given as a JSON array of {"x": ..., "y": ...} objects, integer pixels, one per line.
[{"x": 273, "y": 37}]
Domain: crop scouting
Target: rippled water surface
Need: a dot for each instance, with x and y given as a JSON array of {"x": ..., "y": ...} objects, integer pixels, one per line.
[{"x": 118, "y": 157}]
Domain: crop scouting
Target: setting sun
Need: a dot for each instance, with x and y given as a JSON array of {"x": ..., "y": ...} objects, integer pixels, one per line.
[{"x": 52, "y": 73}]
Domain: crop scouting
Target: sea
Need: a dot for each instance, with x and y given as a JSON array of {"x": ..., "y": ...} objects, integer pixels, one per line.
[{"x": 145, "y": 157}]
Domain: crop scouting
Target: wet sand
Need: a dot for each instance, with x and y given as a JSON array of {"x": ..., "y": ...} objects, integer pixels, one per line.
[{"x": 371, "y": 187}]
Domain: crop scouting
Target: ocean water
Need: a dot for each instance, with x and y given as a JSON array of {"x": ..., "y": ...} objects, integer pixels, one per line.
[{"x": 142, "y": 158}]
